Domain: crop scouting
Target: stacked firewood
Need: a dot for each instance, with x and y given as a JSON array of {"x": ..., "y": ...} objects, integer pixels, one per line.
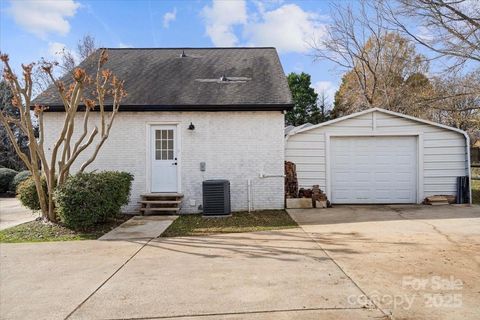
[
  {"x": 305, "y": 193},
  {"x": 291, "y": 182},
  {"x": 319, "y": 199}
]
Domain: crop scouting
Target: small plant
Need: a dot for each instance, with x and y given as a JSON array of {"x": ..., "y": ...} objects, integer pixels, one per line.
[
  {"x": 20, "y": 177},
  {"x": 88, "y": 199},
  {"x": 27, "y": 193},
  {"x": 6, "y": 177}
]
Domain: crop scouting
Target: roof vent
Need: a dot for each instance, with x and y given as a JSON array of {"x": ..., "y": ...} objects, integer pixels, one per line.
[
  {"x": 223, "y": 78},
  {"x": 183, "y": 55}
]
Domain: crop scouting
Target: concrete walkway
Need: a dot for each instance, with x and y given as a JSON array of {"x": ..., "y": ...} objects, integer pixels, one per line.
[
  {"x": 48, "y": 280},
  {"x": 12, "y": 213},
  {"x": 140, "y": 227}
]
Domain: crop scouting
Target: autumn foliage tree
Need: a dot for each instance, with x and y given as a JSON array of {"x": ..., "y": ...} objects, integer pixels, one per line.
[
  {"x": 82, "y": 96},
  {"x": 391, "y": 75}
]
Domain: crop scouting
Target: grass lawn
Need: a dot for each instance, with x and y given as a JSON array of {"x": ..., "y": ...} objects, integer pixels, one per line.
[
  {"x": 39, "y": 231},
  {"x": 197, "y": 225}
]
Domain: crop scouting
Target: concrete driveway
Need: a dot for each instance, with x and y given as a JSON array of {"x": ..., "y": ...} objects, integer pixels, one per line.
[
  {"x": 415, "y": 262},
  {"x": 330, "y": 268},
  {"x": 264, "y": 275},
  {"x": 12, "y": 213}
]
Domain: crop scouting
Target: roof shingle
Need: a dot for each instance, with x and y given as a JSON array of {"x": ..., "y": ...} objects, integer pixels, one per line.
[{"x": 160, "y": 79}]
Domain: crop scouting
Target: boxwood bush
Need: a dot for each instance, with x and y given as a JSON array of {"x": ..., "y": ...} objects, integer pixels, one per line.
[
  {"x": 21, "y": 176},
  {"x": 87, "y": 199},
  {"x": 6, "y": 177},
  {"x": 27, "y": 193}
]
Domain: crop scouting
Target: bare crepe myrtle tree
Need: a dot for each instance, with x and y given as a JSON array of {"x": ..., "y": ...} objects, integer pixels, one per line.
[{"x": 76, "y": 101}]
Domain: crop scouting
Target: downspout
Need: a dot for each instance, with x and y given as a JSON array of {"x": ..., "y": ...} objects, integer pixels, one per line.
[
  {"x": 249, "y": 194},
  {"x": 469, "y": 167}
]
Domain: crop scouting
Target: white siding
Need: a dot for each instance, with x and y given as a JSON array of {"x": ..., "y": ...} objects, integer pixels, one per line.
[
  {"x": 235, "y": 145},
  {"x": 444, "y": 151}
]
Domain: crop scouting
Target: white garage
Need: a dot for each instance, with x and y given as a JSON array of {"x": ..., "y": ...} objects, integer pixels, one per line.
[{"x": 378, "y": 157}]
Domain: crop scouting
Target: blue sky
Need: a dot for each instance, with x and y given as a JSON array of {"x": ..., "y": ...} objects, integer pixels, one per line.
[{"x": 31, "y": 29}]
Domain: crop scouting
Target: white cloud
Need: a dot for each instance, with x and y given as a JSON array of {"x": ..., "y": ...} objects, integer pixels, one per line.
[
  {"x": 55, "y": 49},
  {"x": 169, "y": 17},
  {"x": 220, "y": 19},
  {"x": 124, "y": 45},
  {"x": 288, "y": 28},
  {"x": 424, "y": 33},
  {"x": 45, "y": 16},
  {"x": 327, "y": 87}
]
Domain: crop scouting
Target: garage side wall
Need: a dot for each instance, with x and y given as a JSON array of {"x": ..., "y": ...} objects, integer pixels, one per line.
[{"x": 444, "y": 151}]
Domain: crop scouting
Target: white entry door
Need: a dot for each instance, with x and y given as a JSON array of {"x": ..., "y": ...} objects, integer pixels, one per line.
[
  {"x": 374, "y": 169},
  {"x": 164, "y": 164}
]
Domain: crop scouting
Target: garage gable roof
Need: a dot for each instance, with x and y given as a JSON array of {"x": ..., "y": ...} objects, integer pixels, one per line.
[{"x": 353, "y": 115}]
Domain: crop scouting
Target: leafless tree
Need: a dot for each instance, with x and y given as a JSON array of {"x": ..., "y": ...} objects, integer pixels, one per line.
[
  {"x": 448, "y": 28},
  {"x": 380, "y": 67},
  {"x": 65, "y": 150},
  {"x": 454, "y": 103},
  {"x": 67, "y": 61},
  {"x": 344, "y": 45}
]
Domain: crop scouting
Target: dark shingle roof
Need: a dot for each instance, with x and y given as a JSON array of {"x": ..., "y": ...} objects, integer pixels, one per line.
[{"x": 160, "y": 79}]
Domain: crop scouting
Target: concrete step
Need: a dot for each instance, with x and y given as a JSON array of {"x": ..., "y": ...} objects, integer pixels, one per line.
[
  {"x": 161, "y": 201},
  {"x": 162, "y": 194},
  {"x": 159, "y": 209}
]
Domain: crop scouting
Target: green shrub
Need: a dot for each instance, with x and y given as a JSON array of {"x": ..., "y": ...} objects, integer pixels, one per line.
[
  {"x": 27, "y": 193},
  {"x": 21, "y": 176},
  {"x": 87, "y": 199},
  {"x": 6, "y": 177}
]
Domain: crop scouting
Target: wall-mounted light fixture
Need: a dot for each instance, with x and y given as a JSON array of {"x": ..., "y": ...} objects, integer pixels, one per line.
[{"x": 191, "y": 127}]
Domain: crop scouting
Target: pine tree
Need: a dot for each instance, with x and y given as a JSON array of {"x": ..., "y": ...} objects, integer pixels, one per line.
[{"x": 305, "y": 101}]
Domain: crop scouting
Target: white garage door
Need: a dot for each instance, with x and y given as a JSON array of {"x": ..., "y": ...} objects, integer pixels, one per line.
[{"x": 373, "y": 169}]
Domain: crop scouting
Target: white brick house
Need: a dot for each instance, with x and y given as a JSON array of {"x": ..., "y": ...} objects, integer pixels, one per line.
[{"x": 234, "y": 98}]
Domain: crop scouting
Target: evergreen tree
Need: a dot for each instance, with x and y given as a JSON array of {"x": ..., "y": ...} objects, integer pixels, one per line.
[
  {"x": 8, "y": 156},
  {"x": 305, "y": 101}
]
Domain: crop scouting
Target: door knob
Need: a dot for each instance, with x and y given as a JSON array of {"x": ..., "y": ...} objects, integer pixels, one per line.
[{"x": 174, "y": 163}]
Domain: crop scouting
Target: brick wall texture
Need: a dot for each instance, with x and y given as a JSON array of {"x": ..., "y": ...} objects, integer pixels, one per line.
[{"x": 236, "y": 146}]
